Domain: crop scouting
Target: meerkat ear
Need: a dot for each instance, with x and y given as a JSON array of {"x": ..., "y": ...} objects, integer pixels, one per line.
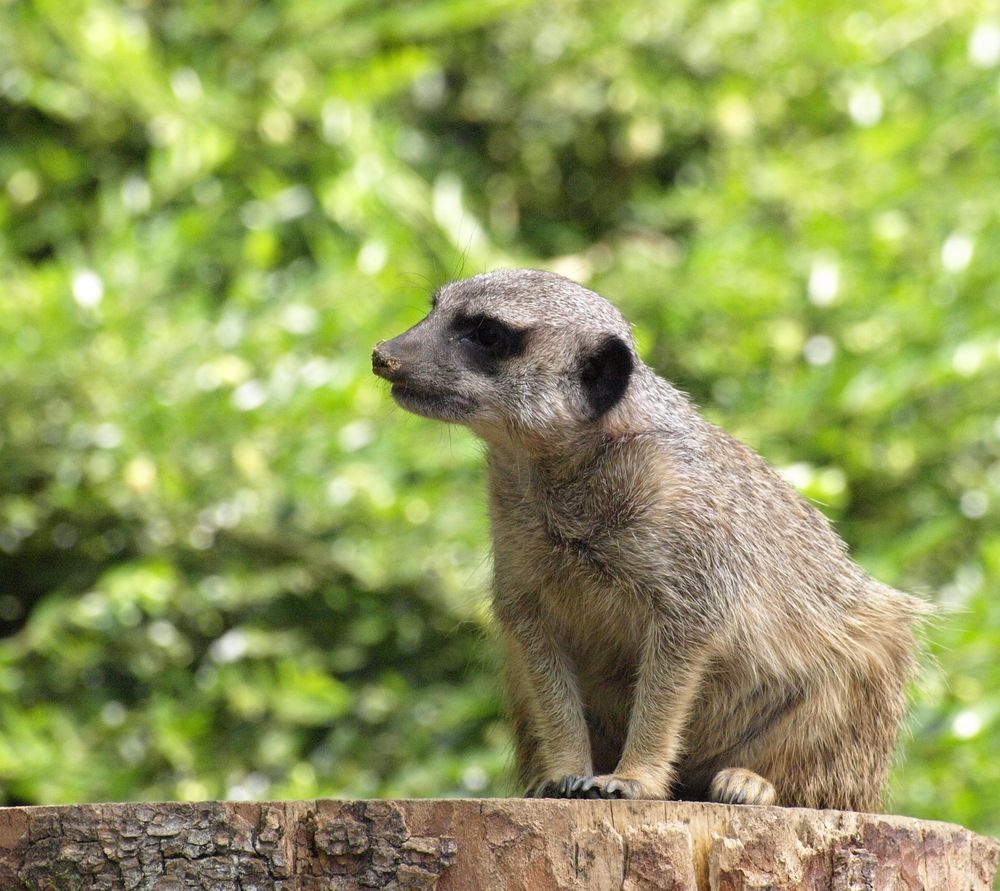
[{"x": 605, "y": 374}]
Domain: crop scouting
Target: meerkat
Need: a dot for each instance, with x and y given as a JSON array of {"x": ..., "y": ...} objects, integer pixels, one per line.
[{"x": 677, "y": 621}]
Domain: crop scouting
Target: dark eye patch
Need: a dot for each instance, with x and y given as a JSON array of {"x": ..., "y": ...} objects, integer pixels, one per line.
[
  {"x": 489, "y": 340},
  {"x": 488, "y": 334}
]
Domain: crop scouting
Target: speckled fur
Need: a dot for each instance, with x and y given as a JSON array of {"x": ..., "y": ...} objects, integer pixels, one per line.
[{"x": 678, "y": 621}]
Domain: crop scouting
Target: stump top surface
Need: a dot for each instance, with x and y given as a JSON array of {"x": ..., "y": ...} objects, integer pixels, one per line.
[{"x": 481, "y": 844}]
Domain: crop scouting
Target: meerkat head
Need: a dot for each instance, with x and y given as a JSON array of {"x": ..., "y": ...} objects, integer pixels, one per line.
[{"x": 515, "y": 355}]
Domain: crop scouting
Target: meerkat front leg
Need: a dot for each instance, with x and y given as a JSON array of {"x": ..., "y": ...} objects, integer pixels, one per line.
[
  {"x": 670, "y": 674},
  {"x": 551, "y": 694}
]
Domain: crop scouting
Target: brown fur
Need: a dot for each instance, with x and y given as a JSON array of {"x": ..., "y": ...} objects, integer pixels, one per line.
[{"x": 678, "y": 621}]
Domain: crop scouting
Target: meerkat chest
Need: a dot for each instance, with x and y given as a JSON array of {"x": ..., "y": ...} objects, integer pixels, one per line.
[
  {"x": 572, "y": 529},
  {"x": 578, "y": 550}
]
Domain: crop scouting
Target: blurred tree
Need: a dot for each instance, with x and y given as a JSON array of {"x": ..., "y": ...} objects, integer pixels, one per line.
[{"x": 228, "y": 567}]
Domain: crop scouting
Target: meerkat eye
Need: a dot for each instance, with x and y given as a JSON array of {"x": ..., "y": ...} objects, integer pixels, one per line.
[
  {"x": 487, "y": 334},
  {"x": 488, "y": 340}
]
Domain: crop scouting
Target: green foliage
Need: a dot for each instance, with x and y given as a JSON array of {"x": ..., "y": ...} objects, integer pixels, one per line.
[{"x": 231, "y": 568}]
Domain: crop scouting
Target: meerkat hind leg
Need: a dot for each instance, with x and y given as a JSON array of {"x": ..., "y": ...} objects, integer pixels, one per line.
[{"x": 737, "y": 785}]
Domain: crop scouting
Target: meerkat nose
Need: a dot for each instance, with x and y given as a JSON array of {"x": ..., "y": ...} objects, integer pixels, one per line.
[{"x": 383, "y": 364}]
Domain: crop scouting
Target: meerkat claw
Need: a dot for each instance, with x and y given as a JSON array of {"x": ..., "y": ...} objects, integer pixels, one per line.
[
  {"x": 561, "y": 788},
  {"x": 565, "y": 785},
  {"x": 605, "y": 787}
]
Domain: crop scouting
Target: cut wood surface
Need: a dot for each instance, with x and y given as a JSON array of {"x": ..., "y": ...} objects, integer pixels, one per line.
[{"x": 480, "y": 844}]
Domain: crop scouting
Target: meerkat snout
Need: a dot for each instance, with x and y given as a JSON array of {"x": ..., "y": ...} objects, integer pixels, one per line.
[{"x": 384, "y": 365}]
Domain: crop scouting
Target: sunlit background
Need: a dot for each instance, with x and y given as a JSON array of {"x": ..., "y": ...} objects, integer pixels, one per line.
[{"x": 230, "y": 568}]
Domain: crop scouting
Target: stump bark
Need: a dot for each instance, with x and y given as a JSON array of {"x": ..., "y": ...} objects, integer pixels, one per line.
[{"x": 480, "y": 845}]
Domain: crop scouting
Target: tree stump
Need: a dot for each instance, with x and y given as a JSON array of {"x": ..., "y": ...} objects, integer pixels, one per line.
[{"x": 479, "y": 845}]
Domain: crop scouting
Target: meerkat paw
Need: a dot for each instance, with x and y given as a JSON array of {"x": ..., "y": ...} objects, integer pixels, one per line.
[
  {"x": 736, "y": 785},
  {"x": 608, "y": 786},
  {"x": 560, "y": 788}
]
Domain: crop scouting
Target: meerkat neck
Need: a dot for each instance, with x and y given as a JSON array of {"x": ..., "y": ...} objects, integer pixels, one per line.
[{"x": 650, "y": 408}]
